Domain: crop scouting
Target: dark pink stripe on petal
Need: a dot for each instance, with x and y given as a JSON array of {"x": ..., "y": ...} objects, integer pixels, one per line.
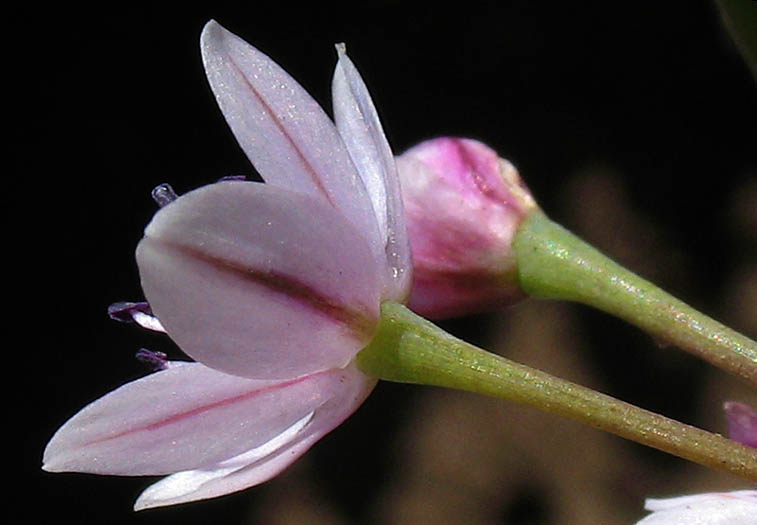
[
  {"x": 196, "y": 411},
  {"x": 258, "y": 281},
  {"x": 185, "y": 417},
  {"x": 354, "y": 318}
]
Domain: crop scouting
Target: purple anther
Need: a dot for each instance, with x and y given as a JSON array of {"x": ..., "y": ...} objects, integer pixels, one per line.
[
  {"x": 232, "y": 177},
  {"x": 124, "y": 311},
  {"x": 163, "y": 194},
  {"x": 139, "y": 313},
  {"x": 154, "y": 360}
]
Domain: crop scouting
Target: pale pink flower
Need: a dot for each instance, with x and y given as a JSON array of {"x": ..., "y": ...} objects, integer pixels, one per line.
[
  {"x": 742, "y": 423},
  {"x": 273, "y": 288},
  {"x": 717, "y": 508},
  {"x": 463, "y": 206}
]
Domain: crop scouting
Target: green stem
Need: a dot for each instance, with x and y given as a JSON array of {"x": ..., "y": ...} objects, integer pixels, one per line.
[
  {"x": 409, "y": 349},
  {"x": 555, "y": 264}
]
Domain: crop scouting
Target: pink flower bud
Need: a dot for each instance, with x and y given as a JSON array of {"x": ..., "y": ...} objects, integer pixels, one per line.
[
  {"x": 463, "y": 206},
  {"x": 742, "y": 423}
]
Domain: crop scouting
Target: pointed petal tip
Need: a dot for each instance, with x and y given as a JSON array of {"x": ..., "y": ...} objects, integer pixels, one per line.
[
  {"x": 51, "y": 461},
  {"x": 360, "y": 127},
  {"x": 58, "y": 464},
  {"x": 211, "y": 38},
  {"x": 57, "y": 457},
  {"x": 143, "y": 503},
  {"x": 209, "y": 27}
]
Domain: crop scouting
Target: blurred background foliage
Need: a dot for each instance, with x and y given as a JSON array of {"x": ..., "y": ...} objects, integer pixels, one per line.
[
  {"x": 632, "y": 123},
  {"x": 740, "y": 18}
]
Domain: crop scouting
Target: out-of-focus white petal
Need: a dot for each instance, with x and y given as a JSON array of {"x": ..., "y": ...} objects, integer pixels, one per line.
[
  {"x": 723, "y": 508},
  {"x": 266, "y": 461},
  {"x": 190, "y": 417},
  {"x": 282, "y": 130},
  {"x": 359, "y": 125},
  {"x": 259, "y": 281}
]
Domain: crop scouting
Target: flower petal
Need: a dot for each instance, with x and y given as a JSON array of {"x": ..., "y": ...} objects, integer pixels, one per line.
[
  {"x": 193, "y": 485},
  {"x": 258, "y": 281},
  {"x": 191, "y": 417},
  {"x": 725, "y": 508},
  {"x": 264, "y": 462},
  {"x": 359, "y": 125},
  {"x": 282, "y": 130}
]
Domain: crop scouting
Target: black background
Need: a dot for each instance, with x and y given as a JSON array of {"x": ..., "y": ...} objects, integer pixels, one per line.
[{"x": 106, "y": 105}]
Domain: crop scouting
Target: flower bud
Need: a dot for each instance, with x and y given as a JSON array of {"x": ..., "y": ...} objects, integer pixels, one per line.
[
  {"x": 742, "y": 423},
  {"x": 463, "y": 206}
]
